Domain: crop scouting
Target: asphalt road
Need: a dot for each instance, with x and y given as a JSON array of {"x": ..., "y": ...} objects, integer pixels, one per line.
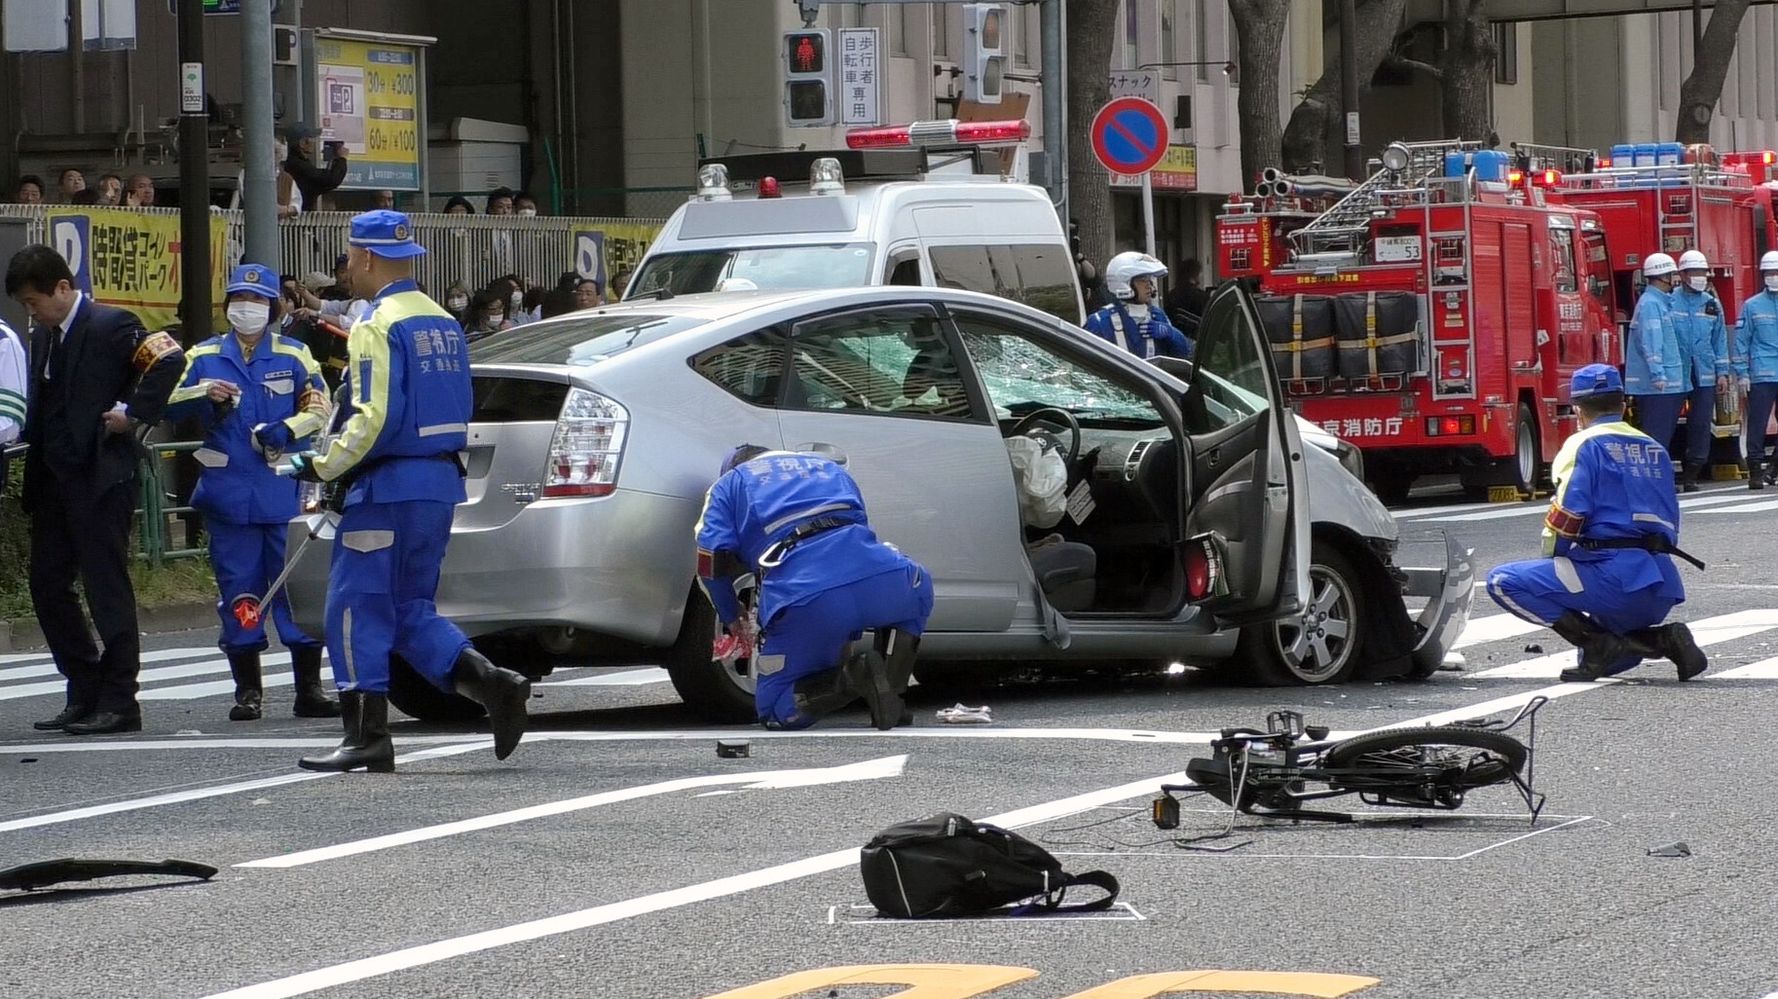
[{"x": 616, "y": 855}]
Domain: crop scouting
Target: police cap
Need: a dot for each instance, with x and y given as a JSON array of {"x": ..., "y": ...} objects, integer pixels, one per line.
[{"x": 1595, "y": 379}]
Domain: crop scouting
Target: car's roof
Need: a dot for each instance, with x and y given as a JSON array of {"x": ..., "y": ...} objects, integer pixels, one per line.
[{"x": 713, "y": 306}]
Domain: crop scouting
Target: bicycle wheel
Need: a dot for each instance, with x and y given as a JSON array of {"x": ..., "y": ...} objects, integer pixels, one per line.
[{"x": 1451, "y": 756}]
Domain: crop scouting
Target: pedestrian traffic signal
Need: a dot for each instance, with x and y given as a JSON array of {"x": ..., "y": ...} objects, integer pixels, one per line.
[
  {"x": 984, "y": 52},
  {"x": 808, "y": 79}
]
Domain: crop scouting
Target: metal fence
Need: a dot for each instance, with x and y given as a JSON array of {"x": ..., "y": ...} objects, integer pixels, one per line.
[{"x": 472, "y": 249}]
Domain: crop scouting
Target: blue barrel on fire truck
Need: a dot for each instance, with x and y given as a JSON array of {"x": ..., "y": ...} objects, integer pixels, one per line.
[{"x": 1492, "y": 164}]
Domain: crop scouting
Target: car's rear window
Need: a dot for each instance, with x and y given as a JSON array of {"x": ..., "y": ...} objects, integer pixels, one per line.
[
  {"x": 578, "y": 341},
  {"x": 517, "y": 400}
]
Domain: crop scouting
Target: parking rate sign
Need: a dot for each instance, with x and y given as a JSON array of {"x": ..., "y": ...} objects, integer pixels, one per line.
[{"x": 1129, "y": 136}]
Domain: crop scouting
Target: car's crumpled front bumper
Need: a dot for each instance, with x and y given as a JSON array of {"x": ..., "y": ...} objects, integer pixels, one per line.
[{"x": 1441, "y": 572}]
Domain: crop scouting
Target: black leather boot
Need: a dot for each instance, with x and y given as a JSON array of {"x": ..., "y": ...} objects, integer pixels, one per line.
[
  {"x": 366, "y": 745},
  {"x": 1599, "y": 650},
  {"x": 311, "y": 697},
  {"x": 249, "y": 689},
  {"x": 822, "y": 694},
  {"x": 1756, "y": 476},
  {"x": 1675, "y": 642},
  {"x": 868, "y": 674},
  {"x": 1688, "y": 481},
  {"x": 501, "y": 691}
]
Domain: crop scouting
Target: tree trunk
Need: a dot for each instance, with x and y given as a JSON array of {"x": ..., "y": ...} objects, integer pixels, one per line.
[
  {"x": 1316, "y": 126},
  {"x": 1467, "y": 64},
  {"x": 1259, "y": 34},
  {"x": 1092, "y": 30},
  {"x": 1703, "y": 88}
]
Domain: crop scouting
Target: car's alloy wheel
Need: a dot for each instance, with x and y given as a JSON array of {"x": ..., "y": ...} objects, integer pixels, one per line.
[{"x": 1318, "y": 643}]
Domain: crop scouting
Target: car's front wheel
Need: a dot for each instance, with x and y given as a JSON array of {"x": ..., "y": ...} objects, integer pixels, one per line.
[
  {"x": 713, "y": 690},
  {"x": 1322, "y": 642}
]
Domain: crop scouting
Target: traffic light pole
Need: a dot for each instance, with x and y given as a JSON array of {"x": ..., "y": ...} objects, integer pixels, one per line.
[
  {"x": 194, "y": 178},
  {"x": 1055, "y": 116}
]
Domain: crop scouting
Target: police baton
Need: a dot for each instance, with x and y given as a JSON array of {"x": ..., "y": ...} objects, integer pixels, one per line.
[{"x": 248, "y": 609}]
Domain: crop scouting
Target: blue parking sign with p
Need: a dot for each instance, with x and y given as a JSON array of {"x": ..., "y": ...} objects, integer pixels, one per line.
[
  {"x": 71, "y": 236},
  {"x": 589, "y": 256}
]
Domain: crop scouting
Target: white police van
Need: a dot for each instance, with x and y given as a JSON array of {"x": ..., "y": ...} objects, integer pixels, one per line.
[{"x": 923, "y": 204}]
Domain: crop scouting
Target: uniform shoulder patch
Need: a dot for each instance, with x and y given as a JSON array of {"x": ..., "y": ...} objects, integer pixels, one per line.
[{"x": 152, "y": 349}]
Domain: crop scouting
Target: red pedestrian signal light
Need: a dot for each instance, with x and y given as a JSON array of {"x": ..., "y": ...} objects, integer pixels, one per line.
[{"x": 807, "y": 52}]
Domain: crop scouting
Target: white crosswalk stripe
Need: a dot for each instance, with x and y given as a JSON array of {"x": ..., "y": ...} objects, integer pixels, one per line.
[
  {"x": 1494, "y": 628},
  {"x": 1765, "y": 669},
  {"x": 1707, "y": 632},
  {"x": 47, "y": 666},
  {"x": 626, "y": 678},
  {"x": 1714, "y": 498}
]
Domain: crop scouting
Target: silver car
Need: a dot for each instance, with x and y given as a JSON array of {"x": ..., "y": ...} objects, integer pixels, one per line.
[{"x": 1200, "y": 529}]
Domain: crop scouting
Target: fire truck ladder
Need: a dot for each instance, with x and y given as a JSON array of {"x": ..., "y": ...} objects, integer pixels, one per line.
[{"x": 1344, "y": 226}]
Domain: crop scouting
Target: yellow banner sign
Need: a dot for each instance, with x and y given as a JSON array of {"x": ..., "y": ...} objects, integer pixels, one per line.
[
  {"x": 368, "y": 93},
  {"x": 132, "y": 260},
  {"x": 1177, "y": 171}
]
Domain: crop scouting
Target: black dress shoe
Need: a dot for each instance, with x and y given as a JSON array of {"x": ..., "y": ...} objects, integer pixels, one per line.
[
  {"x": 104, "y": 723},
  {"x": 71, "y": 713}
]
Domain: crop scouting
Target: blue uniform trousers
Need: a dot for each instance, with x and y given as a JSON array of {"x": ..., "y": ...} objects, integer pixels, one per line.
[
  {"x": 1541, "y": 590},
  {"x": 1761, "y": 397},
  {"x": 1698, "y": 419},
  {"x": 812, "y": 637},
  {"x": 380, "y": 592},
  {"x": 1658, "y": 416},
  {"x": 246, "y": 558}
]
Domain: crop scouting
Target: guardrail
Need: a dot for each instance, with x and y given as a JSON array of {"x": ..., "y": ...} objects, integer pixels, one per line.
[{"x": 151, "y": 504}]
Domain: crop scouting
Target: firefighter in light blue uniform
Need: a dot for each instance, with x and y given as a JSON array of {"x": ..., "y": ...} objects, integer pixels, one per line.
[
  {"x": 1607, "y": 579},
  {"x": 257, "y": 394},
  {"x": 1756, "y": 365},
  {"x": 1704, "y": 341},
  {"x": 798, "y": 522},
  {"x": 395, "y": 458},
  {"x": 1654, "y": 362},
  {"x": 1136, "y": 321}
]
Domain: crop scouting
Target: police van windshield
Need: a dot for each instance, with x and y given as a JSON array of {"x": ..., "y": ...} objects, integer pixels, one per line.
[{"x": 764, "y": 268}]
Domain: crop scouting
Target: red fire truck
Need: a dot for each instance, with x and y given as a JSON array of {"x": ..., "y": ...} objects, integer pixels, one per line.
[{"x": 1434, "y": 314}]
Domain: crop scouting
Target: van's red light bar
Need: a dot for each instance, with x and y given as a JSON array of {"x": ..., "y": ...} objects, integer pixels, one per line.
[{"x": 947, "y": 132}]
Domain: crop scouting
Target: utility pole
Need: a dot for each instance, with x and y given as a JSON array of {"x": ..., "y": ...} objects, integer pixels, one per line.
[
  {"x": 194, "y": 177},
  {"x": 1349, "y": 87},
  {"x": 259, "y": 178},
  {"x": 1055, "y": 104}
]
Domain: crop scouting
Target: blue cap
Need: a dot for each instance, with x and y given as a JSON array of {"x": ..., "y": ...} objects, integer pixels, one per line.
[
  {"x": 254, "y": 279},
  {"x": 1595, "y": 379},
  {"x": 385, "y": 233}
]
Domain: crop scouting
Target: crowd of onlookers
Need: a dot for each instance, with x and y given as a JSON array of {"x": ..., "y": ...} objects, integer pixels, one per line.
[{"x": 71, "y": 189}]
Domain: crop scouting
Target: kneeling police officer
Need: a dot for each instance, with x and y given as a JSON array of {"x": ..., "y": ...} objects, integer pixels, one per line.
[{"x": 797, "y": 522}]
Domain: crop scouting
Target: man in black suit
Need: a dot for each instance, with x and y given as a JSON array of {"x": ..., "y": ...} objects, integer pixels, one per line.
[{"x": 96, "y": 377}]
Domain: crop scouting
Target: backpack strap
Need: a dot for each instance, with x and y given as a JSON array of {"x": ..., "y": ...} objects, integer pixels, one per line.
[{"x": 1095, "y": 879}]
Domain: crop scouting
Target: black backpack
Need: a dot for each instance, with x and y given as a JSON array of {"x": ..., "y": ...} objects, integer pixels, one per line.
[{"x": 948, "y": 865}]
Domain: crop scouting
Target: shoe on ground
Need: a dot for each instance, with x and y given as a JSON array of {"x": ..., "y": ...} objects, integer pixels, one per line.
[
  {"x": 71, "y": 713},
  {"x": 104, "y": 723}
]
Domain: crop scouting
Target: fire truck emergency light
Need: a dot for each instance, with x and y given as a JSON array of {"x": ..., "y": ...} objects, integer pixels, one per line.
[
  {"x": 946, "y": 132},
  {"x": 1547, "y": 178}
]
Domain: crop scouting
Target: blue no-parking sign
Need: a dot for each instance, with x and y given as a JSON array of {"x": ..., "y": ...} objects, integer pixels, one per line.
[{"x": 1129, "y": 136}]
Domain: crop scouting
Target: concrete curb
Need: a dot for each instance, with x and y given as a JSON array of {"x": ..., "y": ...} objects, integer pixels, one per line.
[{"x": 24, "y": 635}]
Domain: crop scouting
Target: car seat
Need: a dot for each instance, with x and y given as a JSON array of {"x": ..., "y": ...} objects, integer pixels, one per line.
[{"x": 1066, "y": 571}]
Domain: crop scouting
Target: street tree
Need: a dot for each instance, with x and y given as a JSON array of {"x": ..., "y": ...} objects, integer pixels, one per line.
[
  {"x": 1259, "y": 38},
  {"x": 1092, "y": 30},
  {"x": 1466, "y": 68},
  {"x": 1703, "y": 88},
  {"x": 1315, "y": 127}
]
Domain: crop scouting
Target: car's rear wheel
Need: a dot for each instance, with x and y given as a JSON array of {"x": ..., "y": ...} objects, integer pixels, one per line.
[
  {"x": 413, "y": 696},
  {"x": 714, "y": 691},
  {"x": 1322, "y": 642}
]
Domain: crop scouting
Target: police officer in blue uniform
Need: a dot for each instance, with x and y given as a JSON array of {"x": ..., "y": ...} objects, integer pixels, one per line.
[
  {"x": 1136, "y": 321},
  {"x": 1704, "y": 344},
  {"x": 1607, "y": 579},
  {"x": 797, "y": 522},
  {"x": 258, "y": 394},
  {"x": 1654, "y": 365},
  {"x": 1756, "y": 365},
  {"x": 395, "y": 470}
]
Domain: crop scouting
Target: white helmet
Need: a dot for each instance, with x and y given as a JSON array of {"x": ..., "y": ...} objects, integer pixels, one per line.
[
  {"x": 1658, "y": 265},
  {"x": 1127, "y": 267},
  {"x": 1769, "y": 262},
  {"x": 1692, "y": 260}
]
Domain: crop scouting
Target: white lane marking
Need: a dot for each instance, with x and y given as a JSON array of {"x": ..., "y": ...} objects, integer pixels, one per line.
[
  {"x": 193, "y": 691},
  {"x": 1708, "y": 631},
  {"x": 679, "y": 735},
  {"x": 1754, "y": 507},
  {"x": 22, "y": 690},
  {"x": 45, "y": 665},
  {"x": 879, "y": 769},
  {"x": 443, "y": 950},
  {"x": 414, "y": 957},
  {"x": 198, "y": 793},
  {"x": 1494, "y": 628},
  {"x": 1415, "y": 512},
  {"x": 1527, "y": 509},
  {"x": 627, "y": 678},
  {"x": 1765, "y": 669}
]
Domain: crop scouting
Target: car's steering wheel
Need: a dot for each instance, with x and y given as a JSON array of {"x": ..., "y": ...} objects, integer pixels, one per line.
[{"x": 1052, "y": 417}]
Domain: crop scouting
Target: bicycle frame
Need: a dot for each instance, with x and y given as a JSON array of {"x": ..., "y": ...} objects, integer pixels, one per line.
[{"x": 1279, "y": 765}]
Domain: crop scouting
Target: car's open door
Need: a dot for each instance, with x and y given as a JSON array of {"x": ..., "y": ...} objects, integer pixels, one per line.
[{"x": 1247, "y": 524}]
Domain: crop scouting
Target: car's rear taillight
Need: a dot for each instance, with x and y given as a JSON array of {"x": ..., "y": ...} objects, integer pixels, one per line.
[
  {"x": 587, "y": 446},
  {"x": 1204, "y": 568}
]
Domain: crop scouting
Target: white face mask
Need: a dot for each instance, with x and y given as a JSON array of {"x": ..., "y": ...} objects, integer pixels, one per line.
[
  {"x": 1772, "y": 282},
  {"x": 1698, "y": 283},
  {"x": 457, "y": 303},
  {"x": 527, "y": 212},
  {"x": 517, "y": 300},
  {"x": 249, "y": 318}
]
